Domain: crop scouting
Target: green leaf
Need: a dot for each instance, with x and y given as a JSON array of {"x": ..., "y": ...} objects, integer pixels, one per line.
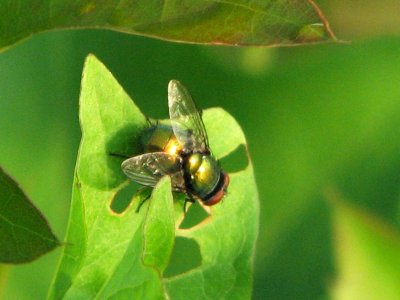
[
  {"x": 24, "y": 232},
  {"x": 368, "y": 255},
  {"x": 159, "y": 229},
  {"x": 137, "y": 276},
  {"x": 125, "y": 255},
  {"x": 96, "y": 237},
  {"x": 231, "y": 22}
]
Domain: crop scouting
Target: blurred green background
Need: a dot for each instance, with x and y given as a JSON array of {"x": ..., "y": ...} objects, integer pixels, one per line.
[{"x": 315, "y": 117}]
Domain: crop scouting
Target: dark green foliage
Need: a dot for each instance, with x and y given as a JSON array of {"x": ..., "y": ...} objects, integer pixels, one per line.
[
  {"x": 24, "y": 232},
  {"x": 208, "y": 22}
]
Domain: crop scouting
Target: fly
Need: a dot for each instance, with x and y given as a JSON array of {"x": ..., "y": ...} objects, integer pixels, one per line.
[{"x": 180, "y": 150}]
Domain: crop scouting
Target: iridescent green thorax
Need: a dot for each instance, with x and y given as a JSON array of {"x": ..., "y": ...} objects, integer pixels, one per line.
[{"x": 160, "y": 138}]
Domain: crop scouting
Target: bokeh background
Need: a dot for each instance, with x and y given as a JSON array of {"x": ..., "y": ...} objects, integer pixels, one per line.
[{"x": 315, "y": 117}]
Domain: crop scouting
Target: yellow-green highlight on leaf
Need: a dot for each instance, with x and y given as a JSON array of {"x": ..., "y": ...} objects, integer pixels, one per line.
[
  {"x": 233, "y": 22},
  {"x": 24, "y": 232},
  {"x": 109, "y": 255},
  {"x": 367, "y": 255}
]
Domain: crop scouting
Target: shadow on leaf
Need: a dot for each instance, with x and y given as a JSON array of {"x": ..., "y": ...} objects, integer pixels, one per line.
[
  {"x": 194, "y": 216},
  {"x": 185, "y": 257},
  {"x": 235, "y": 161}
]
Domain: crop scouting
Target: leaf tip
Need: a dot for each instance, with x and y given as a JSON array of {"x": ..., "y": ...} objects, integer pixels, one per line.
[
  {"x": 90, "y": 61},
  {"x": 90, "y": 57}
]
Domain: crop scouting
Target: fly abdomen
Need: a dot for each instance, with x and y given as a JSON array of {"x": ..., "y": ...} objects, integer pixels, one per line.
[{"x": 204, "y": 177}]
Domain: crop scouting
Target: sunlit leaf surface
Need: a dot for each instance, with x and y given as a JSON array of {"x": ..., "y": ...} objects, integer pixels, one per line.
[
  {"x": 230, "y": 22},
  {"x": 368, "y": 255},
  {"x": 125, "y": 255},
  {"x": 24, "y": 232}
]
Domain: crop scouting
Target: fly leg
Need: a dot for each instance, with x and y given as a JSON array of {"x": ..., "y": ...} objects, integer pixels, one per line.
[
  {"x": 119, "y": 155},
  {"x": 143, "y": 194},
  {"x": 151, "y": 122},
  {"x": 190, "y": 199}
]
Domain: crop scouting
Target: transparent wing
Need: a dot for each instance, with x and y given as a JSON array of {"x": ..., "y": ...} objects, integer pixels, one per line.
[
  {"x": 147, "y": 169},
  {"x": 186, "y": 119}
]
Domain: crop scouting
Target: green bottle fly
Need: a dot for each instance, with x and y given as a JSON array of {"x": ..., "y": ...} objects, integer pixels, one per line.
[{"x": 180, "y": 150}]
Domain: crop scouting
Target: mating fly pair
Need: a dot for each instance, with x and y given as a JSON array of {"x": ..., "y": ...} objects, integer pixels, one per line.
[{"x": 180, "y": 150}]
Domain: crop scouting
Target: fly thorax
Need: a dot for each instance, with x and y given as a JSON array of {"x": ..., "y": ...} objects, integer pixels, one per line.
[
  {"x": 203, "y": 173},
  {"x": 160, "y": 138}
]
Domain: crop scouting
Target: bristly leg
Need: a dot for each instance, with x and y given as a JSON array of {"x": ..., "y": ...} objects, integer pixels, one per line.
[
  {"x": 188, "y": 198},
  {"x": 143, "y": 194},
  {"x": 118, "y": 155},
  {"x": 151, "y": 122}
]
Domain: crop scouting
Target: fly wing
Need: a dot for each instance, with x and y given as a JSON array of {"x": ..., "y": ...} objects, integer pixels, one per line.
[
  {"x": 186, "y": 119},
  {"x": 147, "y": 169}
]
